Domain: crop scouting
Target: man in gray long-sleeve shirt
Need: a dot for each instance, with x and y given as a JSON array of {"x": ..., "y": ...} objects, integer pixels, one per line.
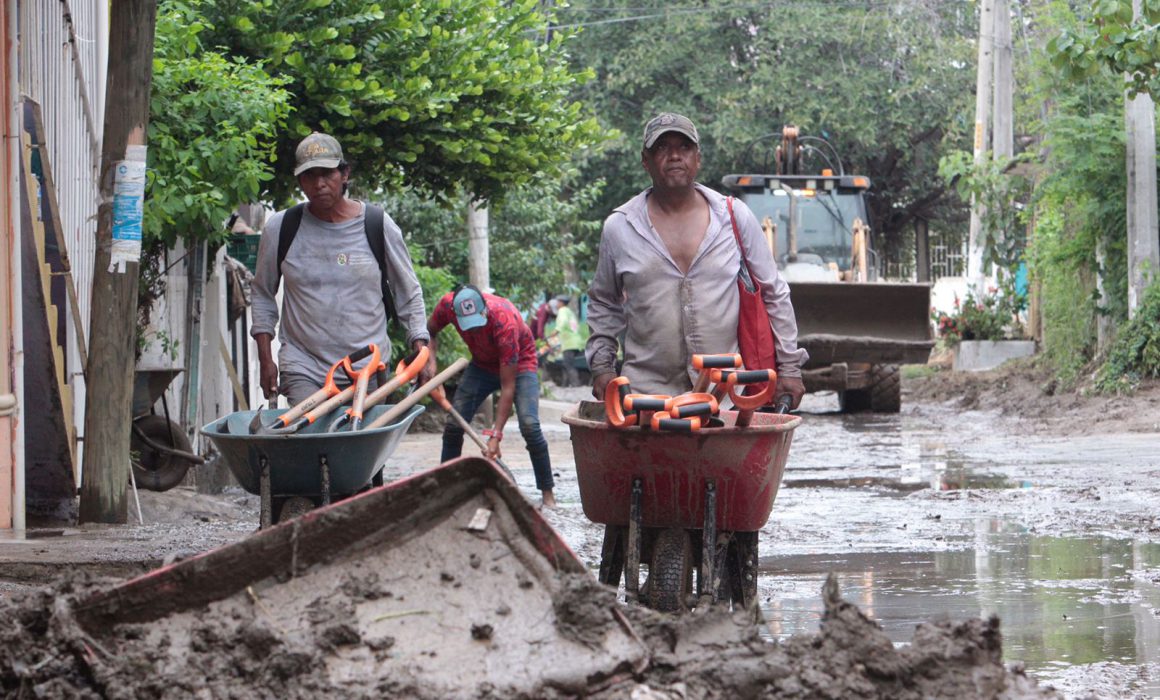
[
  {"x": 666, "y": 276},
  {"x": 332, "y": 297}
]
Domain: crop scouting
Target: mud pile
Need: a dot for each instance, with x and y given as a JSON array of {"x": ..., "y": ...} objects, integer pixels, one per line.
[{"x": 238, "y": 650}]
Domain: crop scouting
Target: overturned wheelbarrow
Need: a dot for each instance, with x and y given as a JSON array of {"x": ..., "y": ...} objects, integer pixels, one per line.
[
  {"x": 296, "y": 472},
  {"x": 159, "y": 449}
]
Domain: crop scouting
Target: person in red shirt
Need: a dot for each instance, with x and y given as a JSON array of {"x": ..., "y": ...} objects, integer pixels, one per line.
[{"x": 503, "y": 357}]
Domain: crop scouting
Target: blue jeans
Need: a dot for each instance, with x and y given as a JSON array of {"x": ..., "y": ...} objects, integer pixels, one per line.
[{"x": 478, "y": 384}]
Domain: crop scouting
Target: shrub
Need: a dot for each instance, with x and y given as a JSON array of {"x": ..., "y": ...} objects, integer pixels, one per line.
[
  {"x": 994, "y": 316},
  {"x": 1135, "y": 354}
]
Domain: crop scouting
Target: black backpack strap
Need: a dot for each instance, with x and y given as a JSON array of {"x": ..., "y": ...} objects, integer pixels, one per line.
[
  {"x": 291, "y": 220},
  {"x": 376, "y": 238}
]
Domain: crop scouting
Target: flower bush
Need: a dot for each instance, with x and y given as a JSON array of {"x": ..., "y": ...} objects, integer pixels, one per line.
[{"x": 994, "y": 316}]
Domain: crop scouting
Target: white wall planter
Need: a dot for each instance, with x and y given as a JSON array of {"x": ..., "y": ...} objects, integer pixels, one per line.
[{"x": 978, "y": 355}]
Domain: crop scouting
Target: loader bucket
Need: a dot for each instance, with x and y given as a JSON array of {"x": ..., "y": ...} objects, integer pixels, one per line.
[{"x": 874, "y": 322}]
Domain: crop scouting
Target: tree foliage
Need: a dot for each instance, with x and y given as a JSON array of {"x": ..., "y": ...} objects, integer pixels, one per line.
[
  {"x": 1109, "y": 37},
  {"x": 211, "y": 130},
  {"x": 887, "y": 85},
  {"x": 535, "y": 234},
  {"x": 449, "y": 96}
]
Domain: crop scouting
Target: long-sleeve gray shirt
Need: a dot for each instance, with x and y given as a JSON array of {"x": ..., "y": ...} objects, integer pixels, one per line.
[
  {"x": 668, "y": 316},
  {"x": 332, "y": 302}
]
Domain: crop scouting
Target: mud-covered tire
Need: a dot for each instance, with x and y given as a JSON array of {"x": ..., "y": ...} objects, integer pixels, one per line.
[
  {"x": 885, "y": 389},
  {"x": 294, "y": 507},
  {"x": 741, "y": 569},
  {"x": 670, "y": 572},
  {"x": 884, "y": 394},
  {"x": 153, "y": 470}
]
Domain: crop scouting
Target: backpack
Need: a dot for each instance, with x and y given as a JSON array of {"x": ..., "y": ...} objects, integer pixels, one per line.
[{"x": 372, "y": 225}]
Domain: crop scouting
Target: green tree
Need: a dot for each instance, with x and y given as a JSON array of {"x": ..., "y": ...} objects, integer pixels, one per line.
[
  {"x": 213, "y": 121},
  {"x": 1107, "y": 37},
  {"x": 450, "y": 96},
  {"x": 211, "y": 138}
]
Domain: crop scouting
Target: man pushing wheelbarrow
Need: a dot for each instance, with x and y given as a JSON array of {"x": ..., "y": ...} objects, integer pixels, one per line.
[{"x": 685, "y": 271}]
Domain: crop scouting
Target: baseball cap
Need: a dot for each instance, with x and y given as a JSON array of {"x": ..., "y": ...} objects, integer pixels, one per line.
[
  {"x": 317, "y": 150},
  {"x": 469, "y": 308},
  {"x": 668, "y": 121}
]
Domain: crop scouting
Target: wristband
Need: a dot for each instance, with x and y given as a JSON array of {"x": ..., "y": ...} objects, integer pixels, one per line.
[{"x": 497, "y": 434}]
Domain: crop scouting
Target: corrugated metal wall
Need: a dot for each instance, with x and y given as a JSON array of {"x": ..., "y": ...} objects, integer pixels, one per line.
[{"x": 62, "y": 68}]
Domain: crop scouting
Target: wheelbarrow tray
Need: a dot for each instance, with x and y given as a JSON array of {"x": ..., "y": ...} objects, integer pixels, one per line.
[
  {"x": 353, "y": 457},
  {"x": 419, "y": 569},
  {"x": 745, "y": 464}
]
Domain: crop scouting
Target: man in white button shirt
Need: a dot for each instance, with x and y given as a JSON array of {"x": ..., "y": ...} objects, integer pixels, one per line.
[{"x": 666, "y": 276}]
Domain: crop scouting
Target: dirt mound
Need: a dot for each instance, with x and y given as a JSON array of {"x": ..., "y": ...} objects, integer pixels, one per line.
[
  {"x": 1027, "y": 390},
  {"x": 231, "y": 651}
]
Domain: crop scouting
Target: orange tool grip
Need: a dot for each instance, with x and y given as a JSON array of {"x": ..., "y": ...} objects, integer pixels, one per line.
[
  {"x": 716, "y": 361},
  {"x": 693, "y": 409},
  {"x": 752, "y": 376},
  {"x": 613, "y": 409},
  {"x": 648, "y": 402},
  {"x": 695, "y": 397},
  {"x": 410, "y": 371},
  {"x": 748, "y": 403},
  {"x": 663, "y": 421}
]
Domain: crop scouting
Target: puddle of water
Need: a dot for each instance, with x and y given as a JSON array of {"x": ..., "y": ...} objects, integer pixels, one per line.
[{"x": 1063, "y": 602}]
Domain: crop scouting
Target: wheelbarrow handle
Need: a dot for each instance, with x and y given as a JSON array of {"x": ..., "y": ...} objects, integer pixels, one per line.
[{"x": 417, "y": 395}]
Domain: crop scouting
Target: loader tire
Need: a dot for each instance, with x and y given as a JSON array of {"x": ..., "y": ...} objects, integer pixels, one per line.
[
  {"x": 886, "y": 390},
  {"x": 670, "y": 572},
  {"x": 155, "y": 470},
  {"x": 884, "y": 394}
]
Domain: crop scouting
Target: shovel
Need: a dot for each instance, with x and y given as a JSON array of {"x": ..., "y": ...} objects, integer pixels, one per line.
[
  {"x": 441, "y": 399},
  {"x": 417, "y": 395},
  {"x": 403, "y": 375},
  {"x": 289, "y": 422}
]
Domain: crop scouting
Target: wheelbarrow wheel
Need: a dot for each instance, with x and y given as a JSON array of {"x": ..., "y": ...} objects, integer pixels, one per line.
[
  {"x": 154, "y": 470},
  {"x": 741, "y": 569},
  {"x": 670, "y": 572},
  {"x": 293, "y": 507}
]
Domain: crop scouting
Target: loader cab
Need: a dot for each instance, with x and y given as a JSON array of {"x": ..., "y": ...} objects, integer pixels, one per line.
[{"x": 808, "y": 220}]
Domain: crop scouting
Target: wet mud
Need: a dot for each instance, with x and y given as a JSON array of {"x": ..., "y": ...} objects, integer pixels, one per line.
[
  {"x": 317, "y": 639},
  {"x": 962, "y": 508}
]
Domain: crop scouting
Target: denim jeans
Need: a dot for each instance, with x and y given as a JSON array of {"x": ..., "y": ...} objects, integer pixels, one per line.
[{"x": 475, "y": 386}]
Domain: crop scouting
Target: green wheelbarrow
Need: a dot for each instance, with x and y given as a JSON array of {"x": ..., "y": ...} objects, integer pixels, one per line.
[{"x": 294, "y": 473}]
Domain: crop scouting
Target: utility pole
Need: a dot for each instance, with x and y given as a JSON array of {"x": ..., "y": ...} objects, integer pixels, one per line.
[
  {"x": 479, "y": 264},
  {"x": 114, "y": 306},
  {"x": 1143, "y": 244},
  {"x": 1003, "y": 139},
  {"x": 983, "y": 75}
]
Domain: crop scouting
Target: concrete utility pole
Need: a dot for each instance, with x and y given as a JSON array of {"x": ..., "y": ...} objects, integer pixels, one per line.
[
  {"x": 479, "y": 265},
  {"x": 1143, "y": 230},
  {"x": 1003, "y": 140},
  {"x": 478, "y": 253},
  {"x": 114, "y": 307},
  {"x": 983, "y": 75}
]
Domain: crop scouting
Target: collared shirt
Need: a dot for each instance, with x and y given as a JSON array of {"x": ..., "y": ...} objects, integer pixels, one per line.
[
  {"x": 332, "y": 298},
  {"x": 505, "y": 340},
  {"x": 668, "y": 316}
]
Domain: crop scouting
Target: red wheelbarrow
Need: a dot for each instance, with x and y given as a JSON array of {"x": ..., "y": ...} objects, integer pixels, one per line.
[{"x": 680, "y": 501}]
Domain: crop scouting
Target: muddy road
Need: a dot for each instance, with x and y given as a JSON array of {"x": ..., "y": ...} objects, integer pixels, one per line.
[{"x": 1007, "y": 500}]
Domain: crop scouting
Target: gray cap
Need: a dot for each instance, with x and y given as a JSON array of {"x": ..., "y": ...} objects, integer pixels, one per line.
[
  {"x": 665, "y": 122},
  {"x": 317, "y": 150}
]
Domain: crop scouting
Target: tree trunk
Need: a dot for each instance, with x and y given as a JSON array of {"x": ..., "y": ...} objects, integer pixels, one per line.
[{"x": 114, "y": 306}]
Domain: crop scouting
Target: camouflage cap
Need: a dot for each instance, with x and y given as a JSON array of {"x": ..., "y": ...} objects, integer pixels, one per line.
[
  {"x": 665, "y": 122},
  {"x": 317, "y": 150}
]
